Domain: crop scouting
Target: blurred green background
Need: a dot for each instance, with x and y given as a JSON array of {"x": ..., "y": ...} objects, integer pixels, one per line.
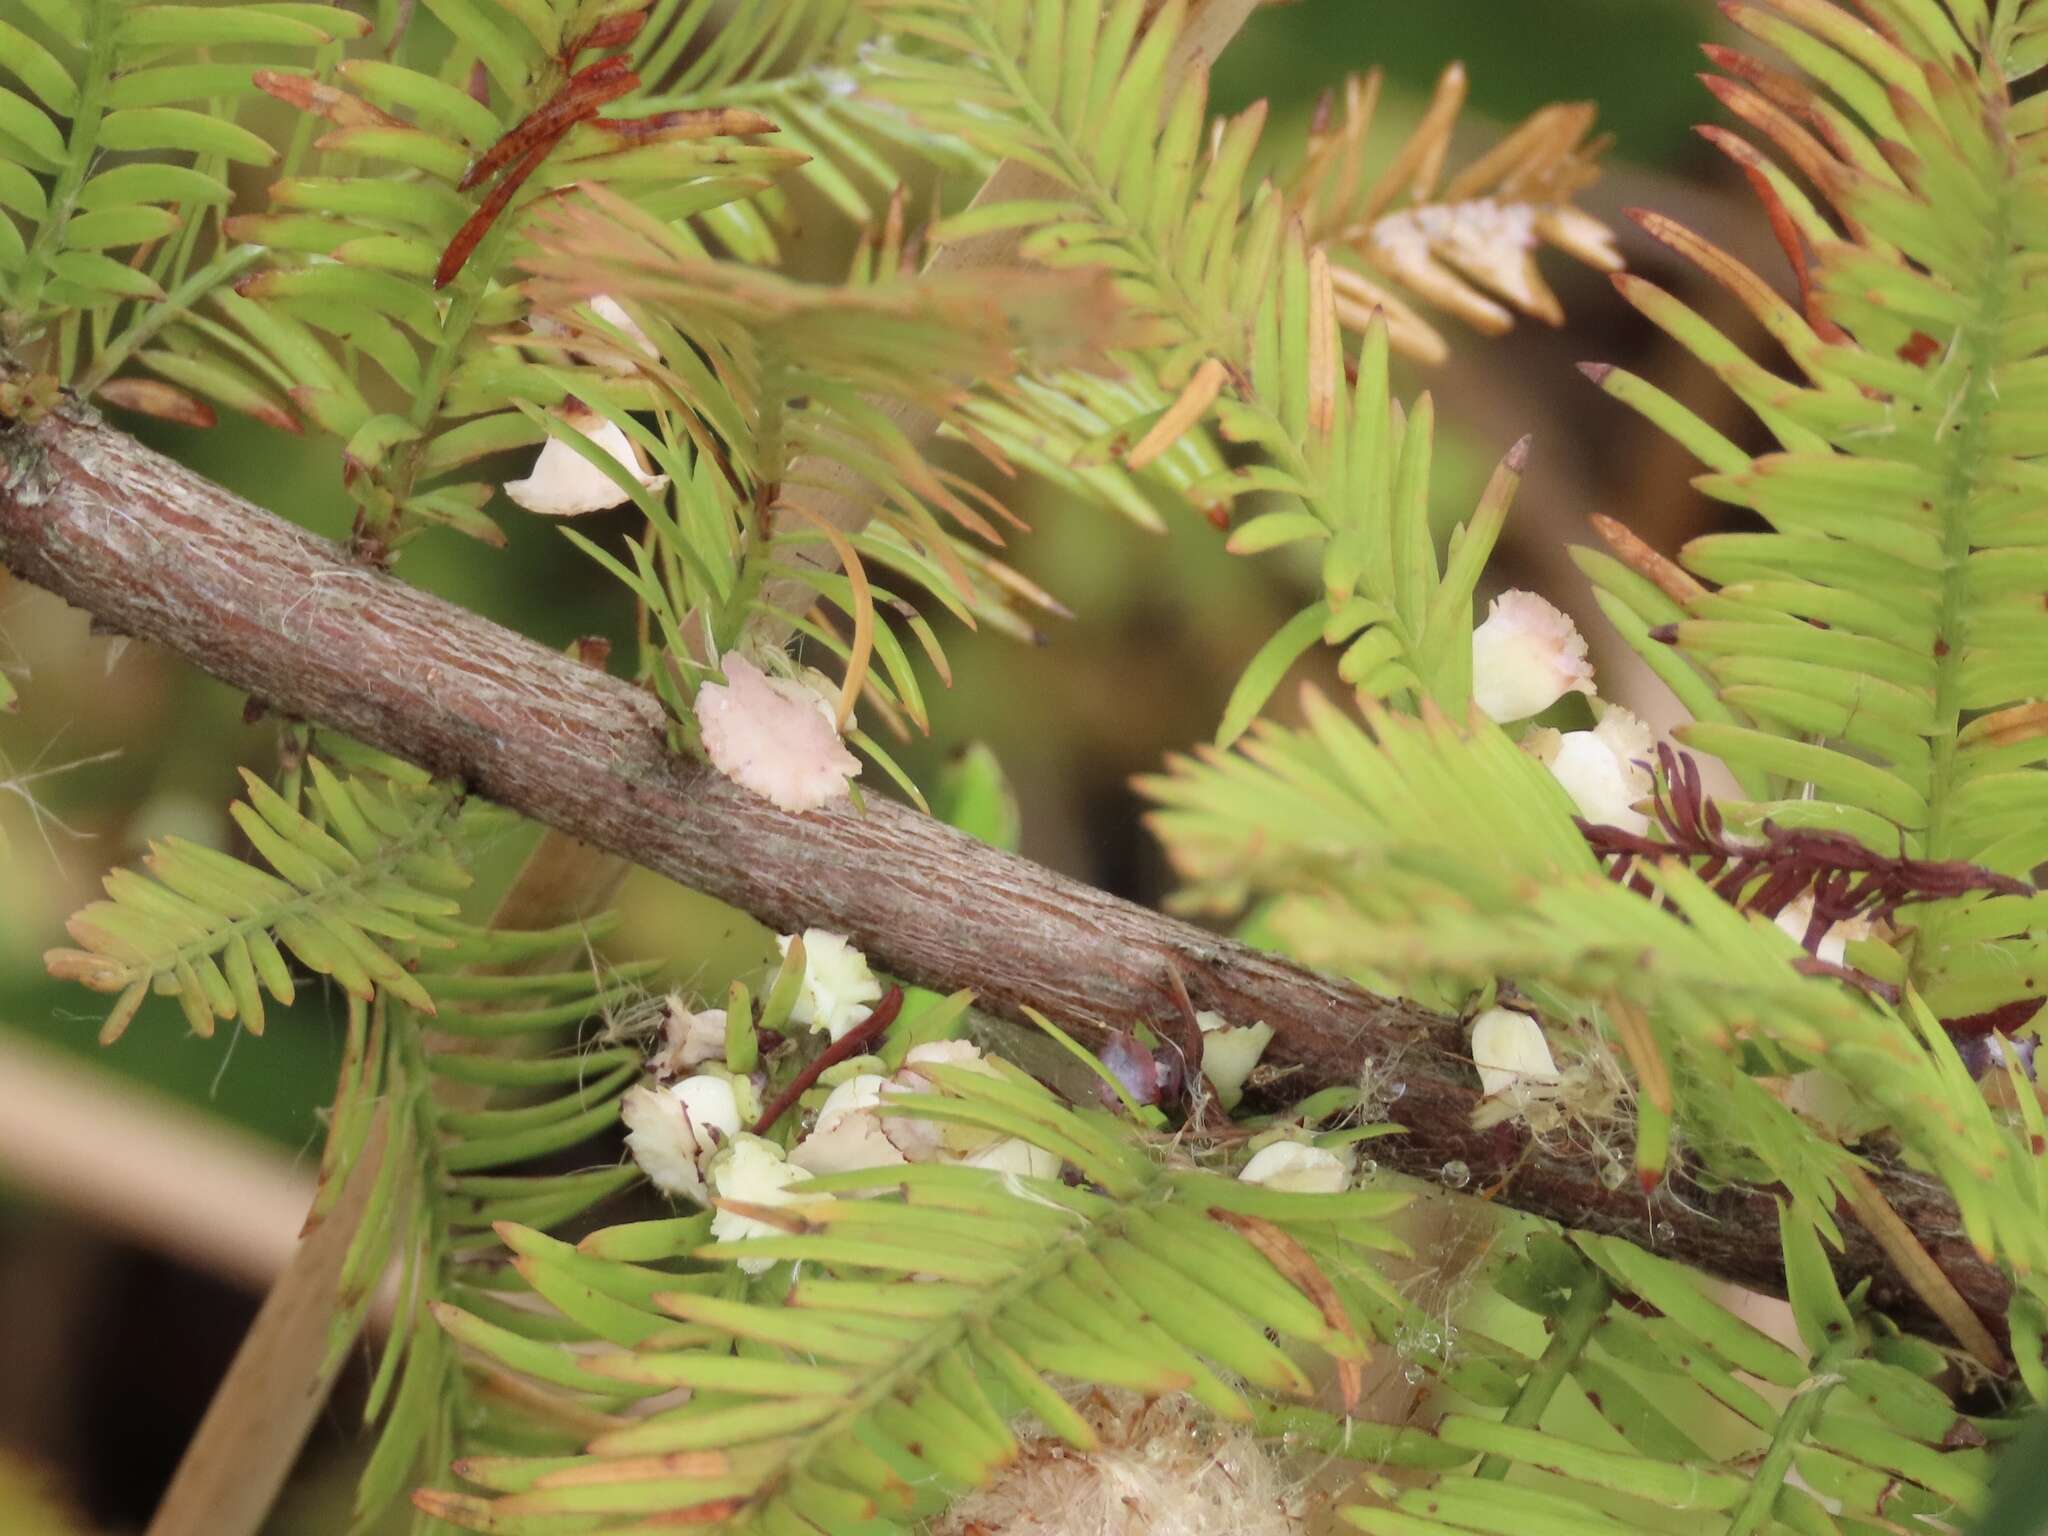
[{"x": 113, "y": 1332}]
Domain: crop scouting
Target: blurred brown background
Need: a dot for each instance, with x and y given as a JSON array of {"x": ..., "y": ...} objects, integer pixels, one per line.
[{"x": 148, "y": 1191}]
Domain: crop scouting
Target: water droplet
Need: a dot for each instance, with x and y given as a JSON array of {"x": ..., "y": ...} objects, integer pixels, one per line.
[
  {"x": 1367, "y": 1167},
  {"x": 1395, "y": 1090},
  {"x": 1612, "y": 1174},
  {"x": 1455, "y": 1174},
  {"x": 1412, "y": 1373},
  {"x": 1432, "y": 1341},
  {"x": 1664, "y": 1232}
]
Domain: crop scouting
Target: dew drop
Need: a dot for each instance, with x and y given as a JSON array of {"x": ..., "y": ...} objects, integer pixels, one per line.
[
  {"x": 1394, "y": 1091},
  {"x": 1455, "y": 1174},
  {"x": 1367, "y": 1167},
  {"x": 1664, "y": 1232},
  {"x": 1612, "y": 1174},
  {"x": 1412, "y": 1373}
]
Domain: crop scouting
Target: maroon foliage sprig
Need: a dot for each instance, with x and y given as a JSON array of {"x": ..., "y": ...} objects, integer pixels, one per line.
[
  {"x": 852, "y": 1043},
  {"x": 577, "y": 100},
  {"x": 521, "y": 151},
  {"x": 1847, "y": 879},
  {"x": 1767, "y": 872}
]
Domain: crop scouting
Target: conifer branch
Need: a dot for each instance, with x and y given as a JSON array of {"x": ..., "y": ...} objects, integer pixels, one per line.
[
  {"x": 153, "y": 550},
  {"x": 832, "y": 495}
]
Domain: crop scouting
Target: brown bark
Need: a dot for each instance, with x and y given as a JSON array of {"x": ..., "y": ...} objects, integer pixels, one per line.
[
  {"x": 265, "y": 1406},
  {"x": 155, "y": 551}
]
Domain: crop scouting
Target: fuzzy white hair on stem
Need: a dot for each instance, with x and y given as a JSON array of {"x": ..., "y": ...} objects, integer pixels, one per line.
[
  {"x": 17, "y": 784},
  {"x": 1162, "y": 1468}
]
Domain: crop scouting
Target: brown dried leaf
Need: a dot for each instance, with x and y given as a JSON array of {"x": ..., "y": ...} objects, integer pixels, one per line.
[
  {"x": 1929, "y": 1282},
  {"x": 100, "y": 972},
  {"x": 1664, "y": 573},
  {"x": 323, "y": 100},
  {"x": 1285, "y": 1254},
  {"x": 1192, "y": 404},
  {"x": 153, "y": 397},
  {"x": 621, "y": 1469},
  {"x": 1470, "y": 247},
  {"x": 2007, "y": 727},
  {"x": 695, "y": 123}
]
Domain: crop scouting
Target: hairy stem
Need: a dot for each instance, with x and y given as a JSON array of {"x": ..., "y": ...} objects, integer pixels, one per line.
[
  {"x": 1794, "y": 1425},
  {"x": 1980, "y": 338},
  {"x": 1582, "y": 1315},
  {"x": 94, "y": 81},
  {"x": 225, "y": 267}
]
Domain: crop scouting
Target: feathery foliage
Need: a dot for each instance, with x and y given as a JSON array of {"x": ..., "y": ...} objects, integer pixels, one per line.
[
  {"x": 1390, "y": 874},
  {"x": 1663, "y": 1411},
  {"x": 443, "y": 1016},
  {"x": 780, "y": 388},
  {"x": 1105, "y": 109},
  {"x": 1247, "y": 292},
  {"x": 367, "y": 262},
  {"x": 1861, "y": 669},
  {"x": 873, "y": 1369},
  {"x": 114, "y": 171},
  {"x": 1876, "y": 653},
  {"x": 372, "y": 867},
  {"x": 1469, "y": 245},
  {"x": 472, "y": 1096},
  {"x": 803, "y": 65}
]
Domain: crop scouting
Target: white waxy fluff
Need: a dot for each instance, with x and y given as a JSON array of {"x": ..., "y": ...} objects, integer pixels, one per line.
[
  {"x": 1163, "y": 1468},
  {"x": 672, "y": 1131},
  {"x": 1229, "y": 1052},
  {"x": 849, "y": 1134},
  {"x": 689, "y": 1038},
  {"x": 1298, "y": 1168},
  {"x": 1525, "y": 657},
  {"x": 838, "y": 983},
  {"x": 753, "y": 1171},
  {"x": 1604, "y": 770},
  {"x": 563, "y": 483},
  {"x": 775, "y": 736},
  {"x": 1511, "y": 1054}
]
